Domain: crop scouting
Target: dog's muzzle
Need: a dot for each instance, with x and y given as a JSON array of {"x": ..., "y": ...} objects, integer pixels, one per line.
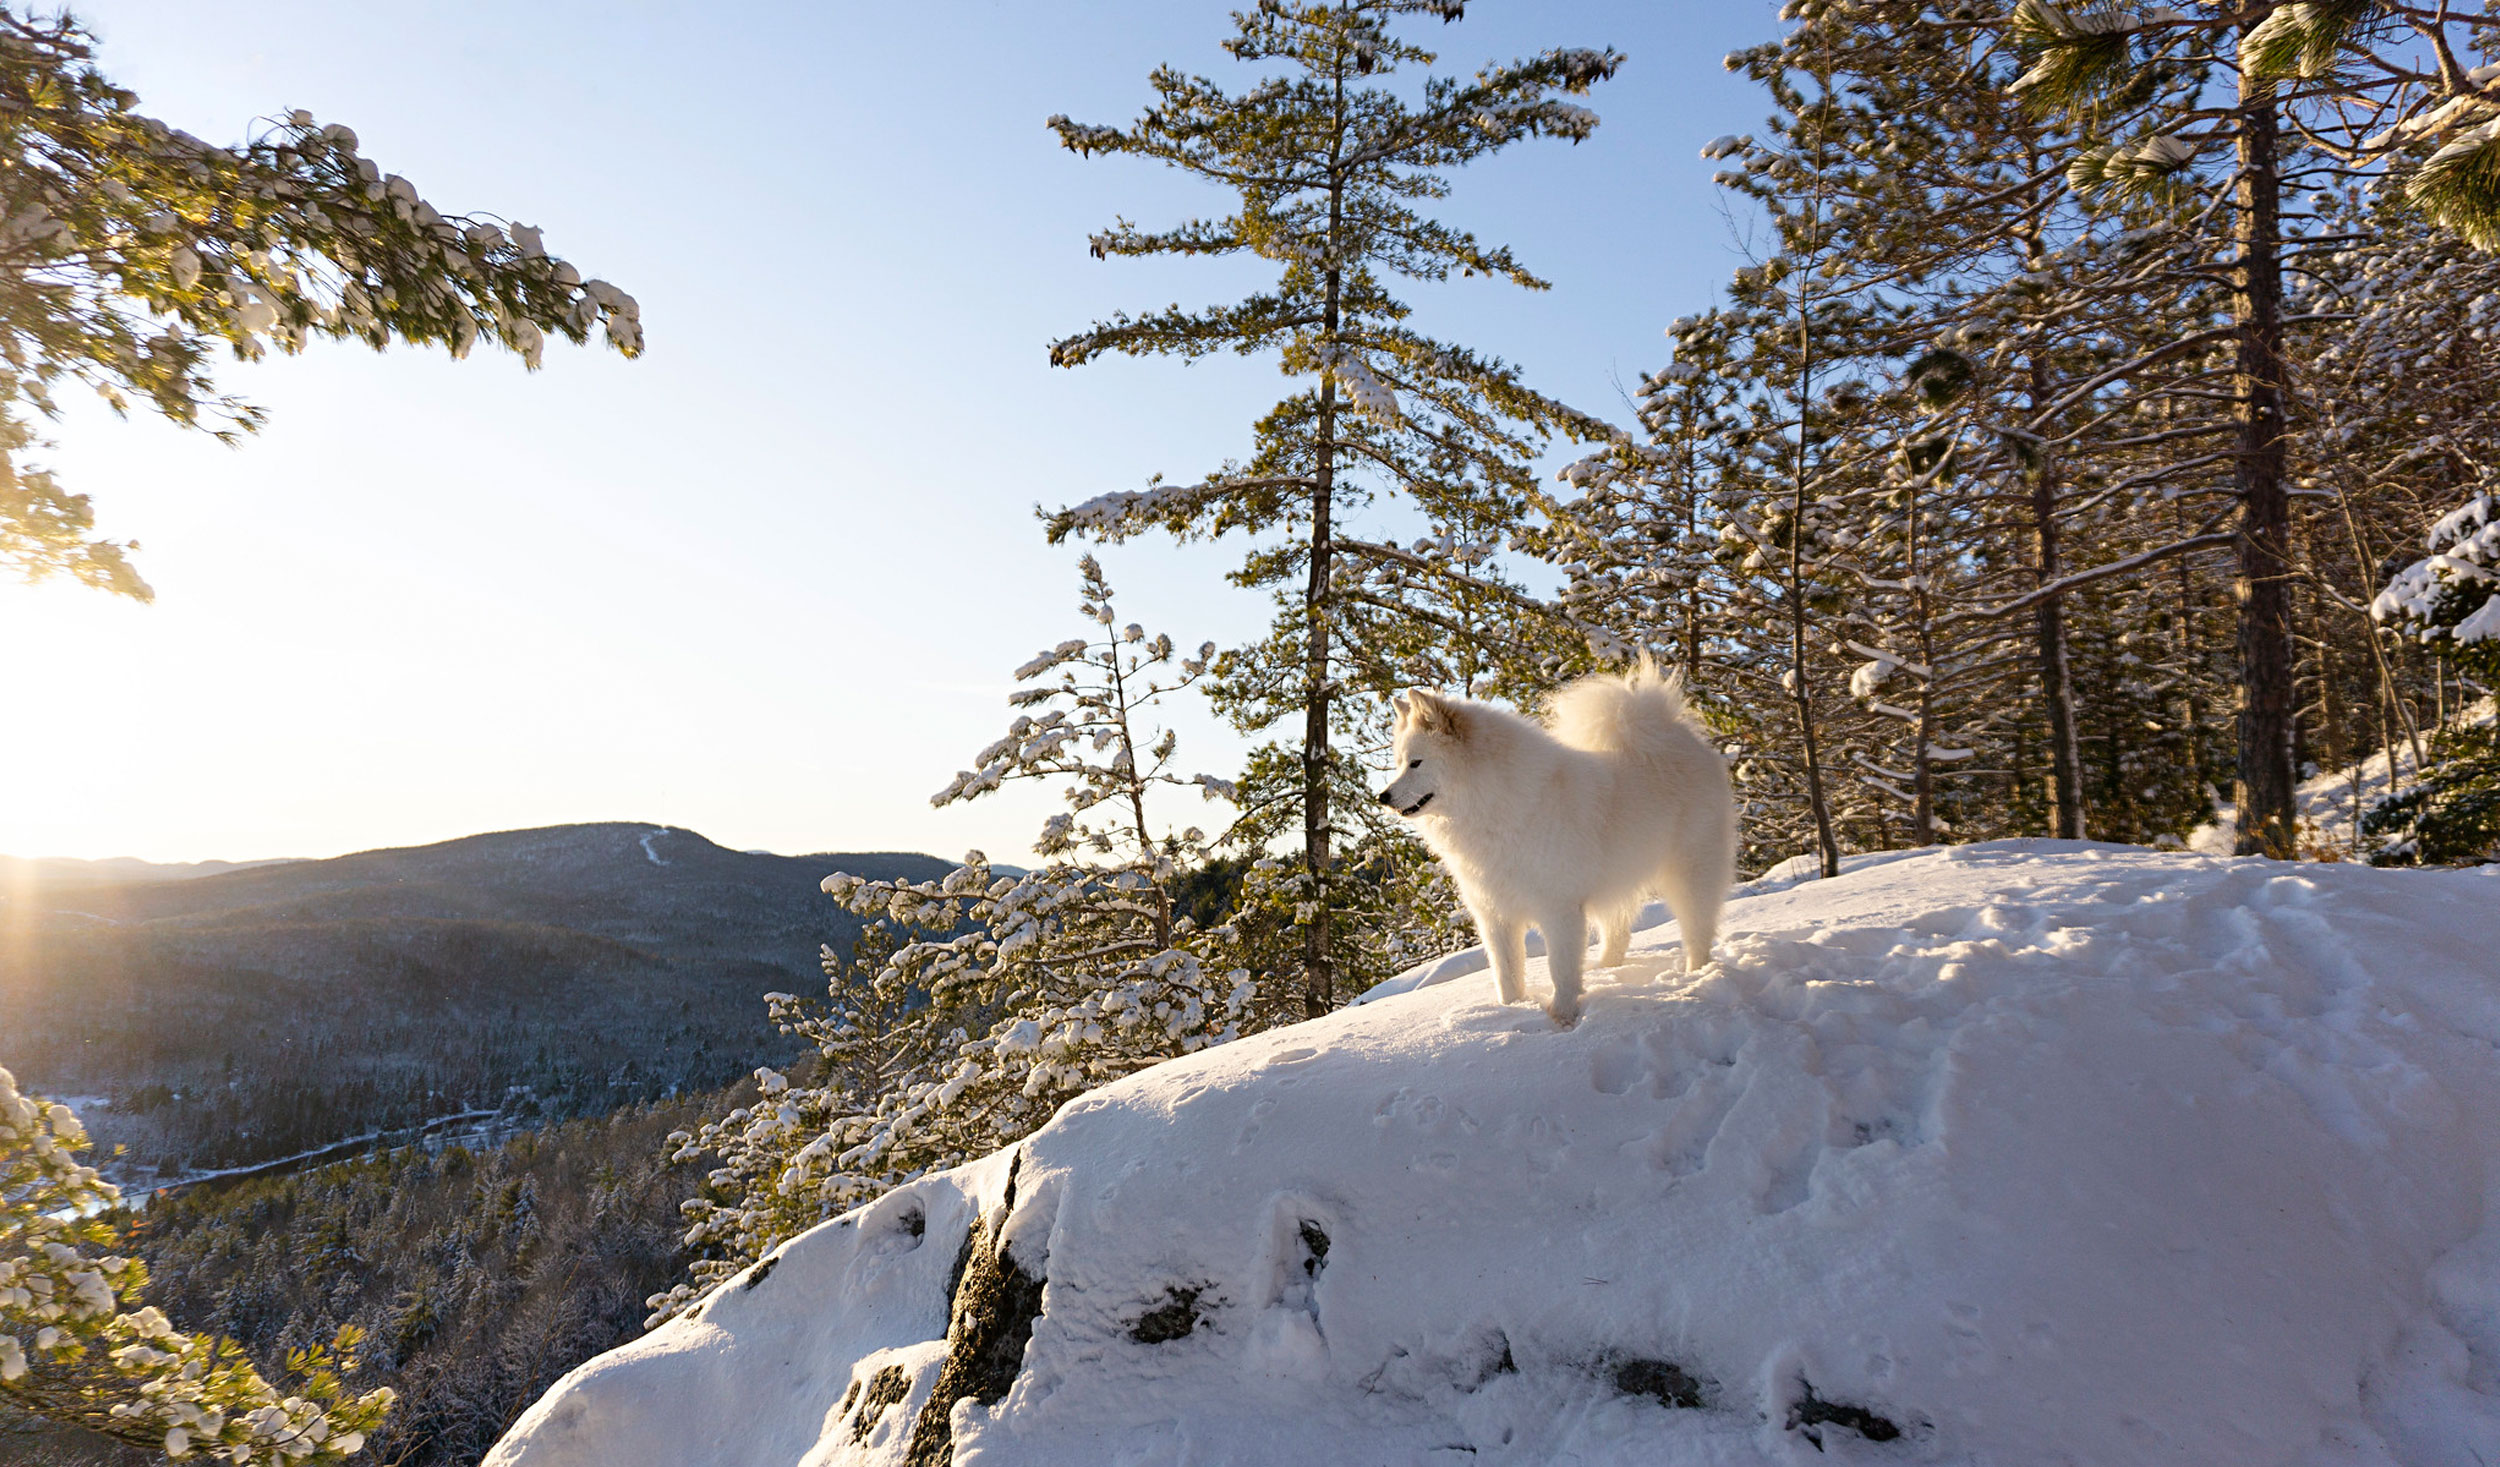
[{"x": 1415, "y": 809}]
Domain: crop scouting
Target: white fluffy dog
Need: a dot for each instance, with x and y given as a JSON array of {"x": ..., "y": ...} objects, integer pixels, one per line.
[{"x": 1617, "y": 798}]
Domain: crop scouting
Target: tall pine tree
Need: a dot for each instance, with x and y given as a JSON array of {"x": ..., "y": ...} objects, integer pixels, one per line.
[{"x": 1331, "y": 169}]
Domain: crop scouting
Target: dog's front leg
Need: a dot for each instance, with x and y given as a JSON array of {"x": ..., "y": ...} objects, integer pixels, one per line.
[
  {"x": 1506, "y": 942},
  {"x": 1566, "y": 948}
]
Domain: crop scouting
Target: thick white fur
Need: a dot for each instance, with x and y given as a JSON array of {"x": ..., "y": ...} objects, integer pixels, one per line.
[{"x": 1616, "y": 798}]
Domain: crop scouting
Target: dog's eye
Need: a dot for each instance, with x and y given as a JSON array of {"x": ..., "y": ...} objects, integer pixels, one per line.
[{"x": 1415, "y": 764}]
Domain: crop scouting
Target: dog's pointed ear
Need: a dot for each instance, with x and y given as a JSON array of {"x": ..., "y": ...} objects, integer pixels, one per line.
[
  {"x": 1397, "y": 701},
  {"x": 1433, "y": 713}
]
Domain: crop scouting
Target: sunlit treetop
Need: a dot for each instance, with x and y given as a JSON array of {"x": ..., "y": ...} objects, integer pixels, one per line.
[
  {"x": 131, "y": 250},
  {"x": 1326, "y": 165}
]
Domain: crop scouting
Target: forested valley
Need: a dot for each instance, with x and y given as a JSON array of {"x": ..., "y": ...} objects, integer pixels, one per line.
[
  {"x": 239, "y": 1018},
  {"x": 476, "y": 1278}
]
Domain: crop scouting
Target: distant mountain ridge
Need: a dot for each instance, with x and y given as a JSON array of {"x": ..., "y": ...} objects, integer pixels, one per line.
[
  {"x": 255, "y": 1011},
  {"x": 22, "y": 871},
  {"x": 653, "y": 886}
]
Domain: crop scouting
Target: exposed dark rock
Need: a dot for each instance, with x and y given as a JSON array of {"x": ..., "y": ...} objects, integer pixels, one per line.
[
  {"x": 1170, "y": 1320},
  {"x": 1812, "y": 1413},
  {"x": 994, "y": 1303},
  {"x": 1662, "y": 1381},
  {"x": 760, "y": 1272},
  {"x": 1314, "y": 1248},
  {"x": 889, "y": 1386}
]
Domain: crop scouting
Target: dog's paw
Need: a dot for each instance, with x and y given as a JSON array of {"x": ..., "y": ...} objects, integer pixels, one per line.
[{"x": 1564, "y": 1018}]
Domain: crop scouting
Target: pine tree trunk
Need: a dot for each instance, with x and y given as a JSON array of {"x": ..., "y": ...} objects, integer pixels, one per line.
[
  {"x": 1922, "y": 759},
  {"x": 1801, "y": 689},
  {"x": 1692, "y": 592},
  {"x": 1826, "y": 845},
  {"x": 1319, "y": 968},
  {"x": 1923, "y": 769},
  {"x": 2332, "y": 715},
  {"x": 1144, "y": 833},
  {"x": 2057, "y": 688},
  {"x": 2056, "y": 682},
  {"x": 2187, "y": 652},
  {"x": 2263, "y": 792},
  {"x": 1319, "y": 962}
]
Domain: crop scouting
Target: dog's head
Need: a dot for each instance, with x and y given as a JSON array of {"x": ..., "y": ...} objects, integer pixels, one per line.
[{"x": 1431, "y": 730}]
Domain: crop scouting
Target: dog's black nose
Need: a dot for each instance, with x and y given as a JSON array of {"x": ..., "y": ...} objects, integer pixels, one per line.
[{"x": 1384, "y": 797}]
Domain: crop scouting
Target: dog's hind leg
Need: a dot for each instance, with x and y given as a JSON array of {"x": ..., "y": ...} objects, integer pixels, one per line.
[
  {"x": 1614, "y": 934},
  {"x": 1506, "y": 943},
  {"x": 1566, "y": 948},
  {"x": 1696, "y": 898}
]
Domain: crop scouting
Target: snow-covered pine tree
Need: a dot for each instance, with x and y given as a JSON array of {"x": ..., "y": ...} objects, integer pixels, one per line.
[
  {"x": 1796, "y": 330},
  {"x": 2084, "y": 325},
  {"x": 2164, "y": 96},
  {"x": 2406, "y": 426},
  {"x": 1676, "y": 546},
  {"x": 975, "y": 1005},
  {"x": 76, "y": 1346},
  {"x": 2450, "y": 601},
  {"x": 1831, "y": 476},
  {"x": 1958, "y": 219},
  {"x": 1912, "y": 182},
  {"x": 1908, "y": 553},
  {"x": 2019, "y": 422},
  {"x": 1328, "y": 165},
  {"x": 1636, "y": 533},
  {"x": 1663, "y": 546},
  {"x": 131, "y": 250},
  {"x": 2052, "y": 327}
]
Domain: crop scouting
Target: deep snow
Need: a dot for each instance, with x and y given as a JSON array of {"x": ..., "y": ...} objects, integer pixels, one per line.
[{"x": 2039, "y": 1152}]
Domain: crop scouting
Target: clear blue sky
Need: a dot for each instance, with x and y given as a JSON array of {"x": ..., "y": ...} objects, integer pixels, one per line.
[{"x": 769, "y": 581}]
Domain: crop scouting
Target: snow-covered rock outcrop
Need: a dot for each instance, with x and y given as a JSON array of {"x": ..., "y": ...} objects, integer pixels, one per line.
[{"x": 2014, "y": 1153}]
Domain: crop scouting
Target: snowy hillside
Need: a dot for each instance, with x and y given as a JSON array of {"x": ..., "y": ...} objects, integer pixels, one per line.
[{"x": 2011, "y": 1153}]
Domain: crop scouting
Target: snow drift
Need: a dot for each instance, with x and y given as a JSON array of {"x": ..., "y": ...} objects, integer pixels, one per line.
[{"x": 2010, "y": 1153}]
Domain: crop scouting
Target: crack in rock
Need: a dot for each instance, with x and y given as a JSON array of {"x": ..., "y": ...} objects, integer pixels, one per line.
[{"x": 994, "y": 1303}]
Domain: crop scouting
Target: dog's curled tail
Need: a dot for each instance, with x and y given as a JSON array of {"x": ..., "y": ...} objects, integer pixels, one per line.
[{"x": 1637, "y": 712}]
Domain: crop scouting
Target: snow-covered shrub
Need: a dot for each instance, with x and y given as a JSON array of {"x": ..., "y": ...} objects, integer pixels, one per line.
[
  {"x": 73, "y": 1347},
  {"x": 974, "y": 1006},
  {"x": 2449, "y": 600}
]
